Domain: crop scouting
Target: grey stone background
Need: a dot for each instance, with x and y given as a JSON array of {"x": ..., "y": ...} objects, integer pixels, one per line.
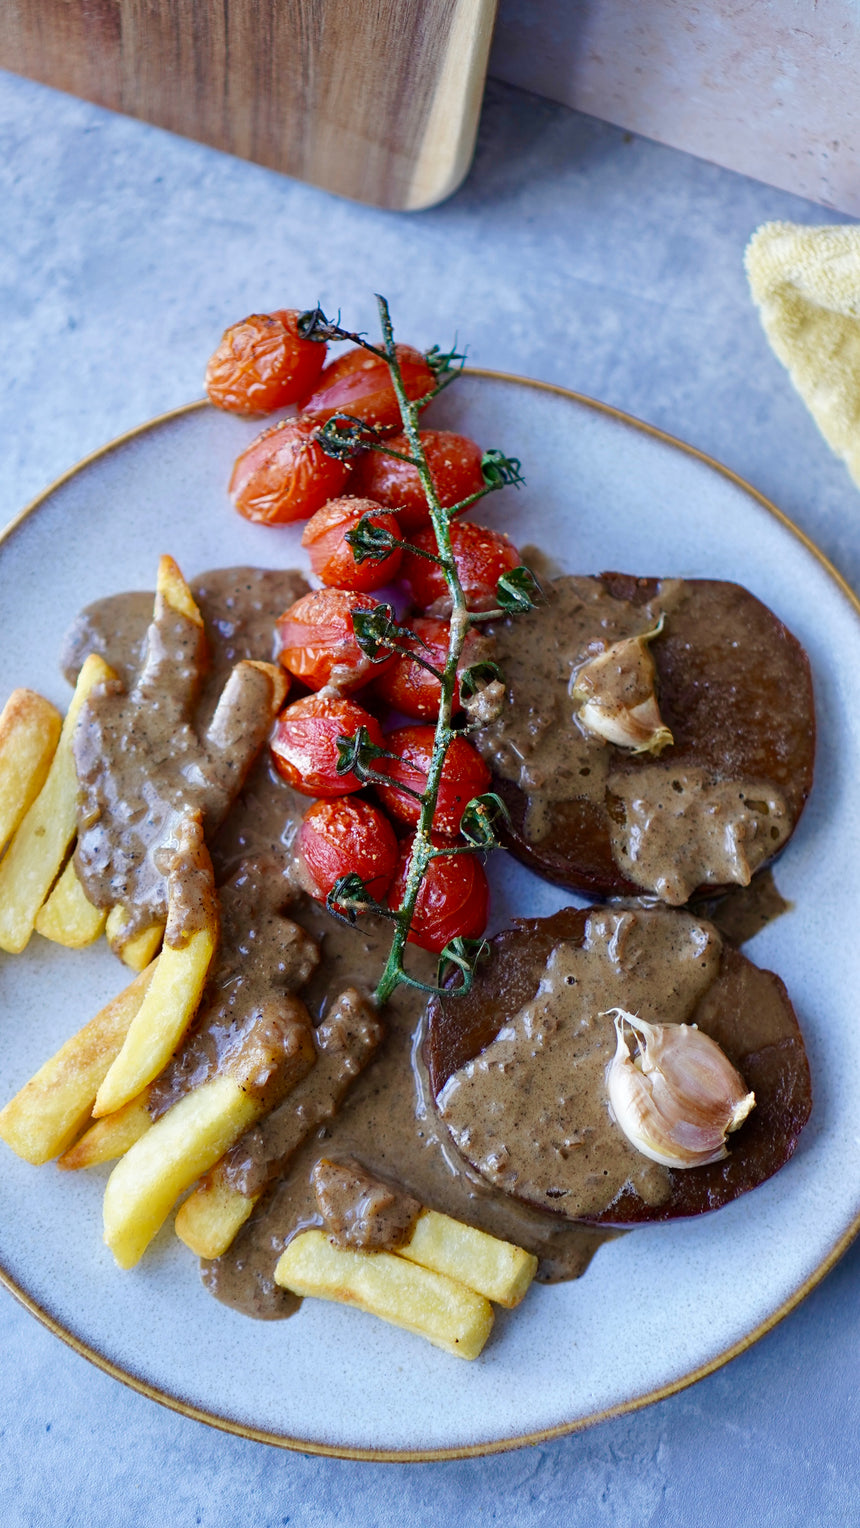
[{"x": 573, "y": 253}]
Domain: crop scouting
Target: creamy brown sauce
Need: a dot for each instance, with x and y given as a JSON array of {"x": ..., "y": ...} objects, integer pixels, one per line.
[
  {"x": 744, "y": 911},
  {"x": 190, "y": 887},
  {"x": 359, "y": 1210},
  {"x": 365, "y": 1098},
  {"x": 151, "y": 748},
  {"x": 673, "y": 828},
  {"x": 678, "y": 830},
  {"x": 248, "y": 1004},
  {"x": 531, "y": 1112}
]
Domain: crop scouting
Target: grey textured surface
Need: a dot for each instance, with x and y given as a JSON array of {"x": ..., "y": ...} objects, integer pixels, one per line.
[{"x": 575, "y": 254}]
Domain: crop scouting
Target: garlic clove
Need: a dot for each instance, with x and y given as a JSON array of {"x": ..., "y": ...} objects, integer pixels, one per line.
[
  {"x": 678, "y": 1097},
  {"x": 616, "y": 691}
]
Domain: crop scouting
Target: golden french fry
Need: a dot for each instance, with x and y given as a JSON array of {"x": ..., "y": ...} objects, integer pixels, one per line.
[
  {"x": 140, "y": 949},
  {"x": 180, "y": 976},
  {"x": 430, "y": 1304},
  {"x": 164, "y": 1016},
  {"x": 494, "y": 1268},
  {"x": 181, "y": 1145},
  {"x": 175, "y": 591},
  {"x": 110, "y": 1137},
  {"x": 191, "y": 1137},
  {"x": 209, "y": 1219},
  {"x": 45, "y": 1117},
  {"x": 68, "y": 917},
  {"x": 347, "y": 1041},
  {"x": 280, "y": 681},
  {"x": 36, "y": 853},
  {"x": 29, "y": 732}
]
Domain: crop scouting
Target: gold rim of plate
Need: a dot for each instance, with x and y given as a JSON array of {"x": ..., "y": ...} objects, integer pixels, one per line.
[{"x": 543, "y": 1435}]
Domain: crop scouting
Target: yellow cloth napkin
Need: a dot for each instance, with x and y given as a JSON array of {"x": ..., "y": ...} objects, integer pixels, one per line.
[{"x": 806, "y": 284}]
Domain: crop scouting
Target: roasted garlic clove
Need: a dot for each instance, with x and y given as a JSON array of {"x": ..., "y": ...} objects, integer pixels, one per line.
[
  {"x": 616, "y": 690},
  {"x": 678, "y": 1097}
]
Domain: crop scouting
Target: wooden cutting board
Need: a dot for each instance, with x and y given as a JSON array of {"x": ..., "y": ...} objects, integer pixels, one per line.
[{"x": 377, "y": 100}]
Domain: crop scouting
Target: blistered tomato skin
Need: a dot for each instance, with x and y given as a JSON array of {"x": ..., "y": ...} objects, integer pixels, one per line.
[
  {"x": 360, "y": 384},
  {"x": 453, "y": 899},
  {"x": 317, "y": 640},
  {"x": 464, "y": 775},
  {"x": 481, "y": 555},
  {"x": 262, "y": 364},
  {"x": 409, "y": 687},
  {"x": 344, "y": 837},
  {"x": 455, "y": 467},
  {"x": 304, "y": 743},
  {"x": 285, "y": 475},
  {"x": 332, "y": 557}
]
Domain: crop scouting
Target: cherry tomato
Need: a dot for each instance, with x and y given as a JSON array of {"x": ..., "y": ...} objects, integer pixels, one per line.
[
  {"x": 464, "y": 775},
  {"x": 285, "y": 474},
  {"x": 360, "y": 384},
  {"x": 481, "y": 555},
  {"x": 408, "y": 687},
  {"x": 318, "y": 642},
  {"x": 332, "y": 557},
  {"x": 304, "y": 743},
  {"x": 455, "y": 467},
  {"x": 262, "y": 364},
  {"x": 453, "y": 898},
  {"x": 345, "y": 837}
]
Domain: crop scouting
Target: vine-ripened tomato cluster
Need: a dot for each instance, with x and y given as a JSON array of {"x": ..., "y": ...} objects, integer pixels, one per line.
[{"x": 381, "y": 498}]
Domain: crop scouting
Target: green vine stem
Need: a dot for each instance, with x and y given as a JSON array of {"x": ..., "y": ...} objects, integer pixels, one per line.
[
  {"x": 459, "y": 626},
  {"x": 343, "y": 435}
]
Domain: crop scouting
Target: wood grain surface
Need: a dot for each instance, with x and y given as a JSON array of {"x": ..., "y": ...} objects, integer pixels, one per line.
[{"x": 377, "y": 100}]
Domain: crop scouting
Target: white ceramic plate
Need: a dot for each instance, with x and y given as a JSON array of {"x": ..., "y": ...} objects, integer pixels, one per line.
[{"x": 656, "y": 1309}]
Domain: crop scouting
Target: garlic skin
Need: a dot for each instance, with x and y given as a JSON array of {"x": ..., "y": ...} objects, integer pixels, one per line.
[
  {"x": 678, "y": 1097},
  {"x": 616, "y": 690}
]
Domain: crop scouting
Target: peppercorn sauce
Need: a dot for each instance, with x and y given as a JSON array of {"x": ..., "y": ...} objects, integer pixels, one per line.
[{"x": 348, "y": 1086}]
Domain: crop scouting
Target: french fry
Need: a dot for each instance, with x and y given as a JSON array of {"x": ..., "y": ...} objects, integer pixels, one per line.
[
  {"x": 29, "y": 732},
  {"x": 110, "y": 1137},
  {"x": 173, "y": 589},
  {"x": 175, "y": 991},
  {"x": 210, "y": 1218},
  {"x": 36, "y": 853},
  {"x": 494, "y": 1268},
  {"x": 164, "y": 1016},
  {"x": 268, "y": 684},
  {"x": 346, "y": 1041},
  {"x": 430, "y": 1304},
  {"x": 68, "y": 917},
  {"x": 140, "y": 949},
  {"x": 45, "y": 1117},
  {"x": 191, "y": 1137},
  {"x": 181, "y": 1145}
]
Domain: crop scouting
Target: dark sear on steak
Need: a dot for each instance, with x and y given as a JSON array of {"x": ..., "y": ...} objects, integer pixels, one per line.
[
  {"x": 517, "y": 1066},
  {"x": 733, "y": 686}
]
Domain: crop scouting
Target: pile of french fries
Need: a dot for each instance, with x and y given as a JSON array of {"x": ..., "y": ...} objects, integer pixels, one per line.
[{"x": 89, "y": 1103}]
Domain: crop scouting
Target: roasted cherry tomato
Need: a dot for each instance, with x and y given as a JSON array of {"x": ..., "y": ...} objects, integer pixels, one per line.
[
  {"x": 285, "y": 474},
  {"x": 262, "y": 364},
  {"x": 409, "y": 687},
  {"x": 453, "y": 898},
  {"x": 360, "y": 384},
  {"x": 347, "y": 837},
  {"x": 331, "y": 555},
  {"x": 481, "y": 555},
  {"x": 304, "y": 743},
  {"x": 464, "y": 775},
  {"x": 318, "y": 642},
  {"x": 455, "y": 467}
]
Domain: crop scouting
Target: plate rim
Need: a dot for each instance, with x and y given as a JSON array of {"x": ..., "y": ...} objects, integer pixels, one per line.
[{"x": 542, "y": 1435}]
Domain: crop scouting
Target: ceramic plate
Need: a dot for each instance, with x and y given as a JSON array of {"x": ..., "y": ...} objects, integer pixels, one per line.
[{"x": 657, "y": 1308}]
